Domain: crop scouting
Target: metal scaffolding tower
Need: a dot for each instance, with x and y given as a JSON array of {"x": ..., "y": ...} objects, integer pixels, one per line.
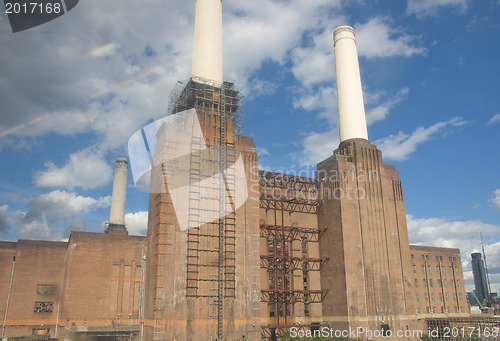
[
  {"x": 211, "y": 258},
  {"x": 287, "y": 256}
]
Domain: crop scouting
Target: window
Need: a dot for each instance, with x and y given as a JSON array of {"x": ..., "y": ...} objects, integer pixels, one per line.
[
  {"x": 414, "y": 269},
  {"x": 441, "y": 297},
  {"x": 453, "y": 283},
  {"x": 423, "y": 257},
  {"x": 40, "y": 332},
  {"x": 429, "y": 269},
  {"x": 456, "y": 309},
  {"x": 434, "y": 310},
  {"x": 444, "y": 283},
  {"x": 427, "y": 257},
  {"x": 44, "y": 307},
  {"x": 461, "y": 309},
  {"x": 440, "y": 284},
  {"x": 454, "y": 297},
  {"x": 458, "y": 283},
  {"x": 418, "y": 297},
  {"x": 460, "y": 296},
  {"x": 433, "y": 297},
  {"x": 454, "y": 258},
  {"x": 437, "y": 268},
  {"x": 412, "y": 256},
  {"x": 428, "y": 310},
  {"x": 419, "y": 310},
  {"x": 447, "y": 297},
  {"x": 423, "y": 269},
  {"x": 430, "y": 283},
  {"x": 304, "y": 247},
  {"x": 448, "y": 309},
  {"x": 441, "y": 257},
  {"x": 456, "y": 269},
  {"x": 416, "y": 282},
  {"x": 426, "y": 297},
  {"x": 46, "y": 289},
  {"x": 451, "y": 270},
  {"x": 425, "y": 283},
  {"x": 437, "y": 258},
  {"x": 442, "y": 310},
  {"x": 443, "y": 270}
]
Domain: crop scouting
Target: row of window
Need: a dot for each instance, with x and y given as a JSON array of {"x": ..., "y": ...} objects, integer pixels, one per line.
[
  {"x": 439, "y": 269},
  {"x": 433, "y": 310},
  {"x": 438, "y": 258},
  {"x": 441, "y": 297},
  {"x": 440, "y": 284}
]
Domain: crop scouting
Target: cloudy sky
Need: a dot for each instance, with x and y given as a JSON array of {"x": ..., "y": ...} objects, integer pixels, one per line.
[{"x": 72, "y": 92}]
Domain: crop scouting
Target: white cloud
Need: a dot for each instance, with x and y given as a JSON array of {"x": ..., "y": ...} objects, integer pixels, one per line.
[
  {"x": 53, "y": 215},
  {"x": 381, "y": 111},
  {"x": 464, "y": 235},
  {"x": 38, "y": 230},
  {"x": 319, "y": 146},
  {"x": 315, "y": 63},
  {"x": 271, "y": 28},
  {"x": 402, "y": 145},
  {"x": 104, "y": 50},
  {"x": 377, "y": 39},
  {"x": 4, "y": 220},
  {"x": 423, "y": 8},
  {"x": 137, "y": 223},
  {"x": 261, "y": 151},
  {"x": 323, "y": 99},
  {"x": 60, "y": 205},
  {"x": 495, "y": 119},
  {"x": 84, "y": 169},
  {"x": 495, "y": 200}
]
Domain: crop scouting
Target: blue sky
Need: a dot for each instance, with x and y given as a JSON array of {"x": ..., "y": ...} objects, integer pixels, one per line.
[{"x": 72, "y": 92}]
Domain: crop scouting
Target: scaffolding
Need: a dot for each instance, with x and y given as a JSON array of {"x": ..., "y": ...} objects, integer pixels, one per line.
[
  {"x": 287, "y": 253},
  {"x": 288, "y": 193},
  {"x": 211, "y": 247}
]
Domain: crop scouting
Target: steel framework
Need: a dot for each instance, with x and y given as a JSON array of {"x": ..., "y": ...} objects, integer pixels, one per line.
[
  {"x": 288, "y": 193},
  {"x": 287, "y": 260}
]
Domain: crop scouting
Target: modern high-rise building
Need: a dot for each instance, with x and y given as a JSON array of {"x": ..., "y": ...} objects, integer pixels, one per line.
[{"x": 480, "y": 281}]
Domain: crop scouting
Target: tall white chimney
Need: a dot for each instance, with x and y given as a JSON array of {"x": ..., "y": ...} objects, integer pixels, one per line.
[
  {"x": 117, "y": 215},
  {"x": 352, "y": 119},
  {"x": 207, "y": 49}
]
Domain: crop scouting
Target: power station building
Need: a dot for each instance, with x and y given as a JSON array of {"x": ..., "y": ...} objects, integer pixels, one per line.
[{"x": 233, "y": 252}]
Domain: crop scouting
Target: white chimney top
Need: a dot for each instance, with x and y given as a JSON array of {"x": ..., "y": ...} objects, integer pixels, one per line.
[{"x": 352, "y": 119}]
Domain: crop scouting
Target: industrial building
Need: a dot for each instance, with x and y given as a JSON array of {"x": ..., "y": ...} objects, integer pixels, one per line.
[{"x": 297, "y": 252}]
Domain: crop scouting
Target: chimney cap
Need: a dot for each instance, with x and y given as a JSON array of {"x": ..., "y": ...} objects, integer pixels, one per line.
[
  {"x": 343, "y": 32},
  {"x": 121, "y": 160}
]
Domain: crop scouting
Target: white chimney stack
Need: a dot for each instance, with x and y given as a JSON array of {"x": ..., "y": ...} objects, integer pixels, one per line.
[
  {"x": 207, "y": 49},
  {"x": 352, "y": 119},
  {"x": 117, "y": 215}
]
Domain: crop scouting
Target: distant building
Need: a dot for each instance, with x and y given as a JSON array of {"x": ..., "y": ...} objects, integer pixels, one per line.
[
  {"x": 438, "y": 281},
  {"x": 480, "y": 281},
  {"x": 471, "y": 297}
]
